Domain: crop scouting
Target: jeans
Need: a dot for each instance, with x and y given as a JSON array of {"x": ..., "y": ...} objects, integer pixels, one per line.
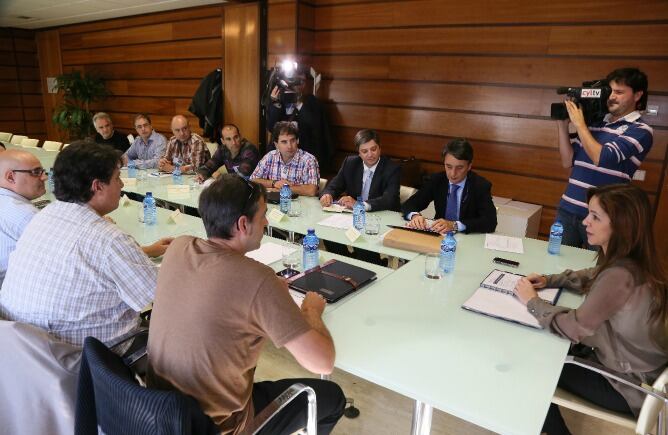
[
  {"x": 575, "y": 233},
  {"x": 330, "y": 404}
]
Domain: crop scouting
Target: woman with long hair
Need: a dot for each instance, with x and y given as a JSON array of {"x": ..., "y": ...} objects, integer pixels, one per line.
[{"x": 623, "y": 317}]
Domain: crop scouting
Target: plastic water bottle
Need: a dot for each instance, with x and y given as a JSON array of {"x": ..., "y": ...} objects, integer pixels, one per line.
[
  {"x": 448, "y": 251},
  {"x": 311, "y": 254},
  {"x": 150, "y": 212},
  {"x": 556, "y": 233},
  {"x": 176, "y": 172},
  {"x": 51, "y": 185},
  {"x": 132, "y": 169},
  {"x": 286, "y": 195},
  {"x": 359, "y": 214}
]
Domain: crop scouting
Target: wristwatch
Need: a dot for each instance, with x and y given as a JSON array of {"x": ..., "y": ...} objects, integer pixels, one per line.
[
  {"x": 273, "y": 183},
  {"x": 455, "y": 227}
]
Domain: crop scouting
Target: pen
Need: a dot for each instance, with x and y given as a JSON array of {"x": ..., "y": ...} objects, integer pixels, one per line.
[{"x": 498, "y": 278}]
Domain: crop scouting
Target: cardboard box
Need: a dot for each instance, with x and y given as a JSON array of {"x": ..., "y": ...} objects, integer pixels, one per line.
[{"x": 518, "y": 219}]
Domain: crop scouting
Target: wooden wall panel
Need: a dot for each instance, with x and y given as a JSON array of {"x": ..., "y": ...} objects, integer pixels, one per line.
[
  {"x": 432, "y": 12},
  {"x": 20, "y": 93},
  {"x": 242, "y": 69},
  {"x": 151, "y": 63},
  {"x": 424, "y": 71}
]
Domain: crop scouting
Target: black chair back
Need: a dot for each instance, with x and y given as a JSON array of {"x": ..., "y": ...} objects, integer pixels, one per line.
[{"x": 108, "y": 396}]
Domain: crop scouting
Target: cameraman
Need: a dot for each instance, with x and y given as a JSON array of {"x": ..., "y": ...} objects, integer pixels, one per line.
[
  {"x": 605, "y": 152},
  {"x": 311, "y": 118}
]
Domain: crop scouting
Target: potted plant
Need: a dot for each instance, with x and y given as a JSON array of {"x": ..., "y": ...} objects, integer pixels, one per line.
[{"x": 73, "y": 114}]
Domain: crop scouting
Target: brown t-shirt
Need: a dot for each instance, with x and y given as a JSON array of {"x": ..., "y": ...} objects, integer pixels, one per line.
[{"x": 213, "y": 310}]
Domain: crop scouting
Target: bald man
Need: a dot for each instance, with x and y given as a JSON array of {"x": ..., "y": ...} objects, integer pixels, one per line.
[
  {"x": 21, "y": 180},
  {"x": 185, "y": 146}
]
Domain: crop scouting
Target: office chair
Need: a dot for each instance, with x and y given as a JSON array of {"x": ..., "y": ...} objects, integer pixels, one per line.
[
  {"x": 50, "y": 145},
  {"x": 406, "y": 192},
  {"x": 652, "y": 414},
  {"x": 109, "y": 397},
  {"x": 5, "y": 137},
  {"x": 16, "y": 140},
  {"x": 322, "y": 184},
  {"x": 29, "y": 143}
]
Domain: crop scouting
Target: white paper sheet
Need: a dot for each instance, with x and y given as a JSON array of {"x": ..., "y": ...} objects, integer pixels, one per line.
[
  {"x": 342, "y": 221},
  {"x": 336, "y": 208},
  {"x": 267, "y": 253},
  {"x": 497, "y": 242}
]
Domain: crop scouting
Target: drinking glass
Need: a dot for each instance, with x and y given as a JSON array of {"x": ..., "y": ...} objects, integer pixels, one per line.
[
  {"x": 372, "y": 225},
  {"x": 295, "y": 208},
  {"x": 292, "y": 255},
  {"x": 432, "y": 269}
]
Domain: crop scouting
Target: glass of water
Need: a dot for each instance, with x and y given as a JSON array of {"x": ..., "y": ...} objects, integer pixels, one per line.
[
  {"x": 295, "y": 208},
  {"x": 372, "y": 225},
  {"x": 432, "y": 269},
  {"x": 141, "y": 175},
  {"x": 292, "y": 256}
]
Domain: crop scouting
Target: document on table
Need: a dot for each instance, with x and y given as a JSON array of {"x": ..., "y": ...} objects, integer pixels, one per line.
[
  {"x": 160, "y": 174},
  {"x": 342, "y": 221},
  {"x": 336, "y": 208},
  {"x": 267, "y": 253},
  {"x": 504, "y": 243}
]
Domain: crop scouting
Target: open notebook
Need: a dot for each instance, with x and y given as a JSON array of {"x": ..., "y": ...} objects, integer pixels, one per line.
[{"x": 499, "y": 302}]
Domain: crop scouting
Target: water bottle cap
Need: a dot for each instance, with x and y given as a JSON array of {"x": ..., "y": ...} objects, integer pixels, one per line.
[
  {"x": 311, "y": 230},
  {"x": 149, "y": 193}
]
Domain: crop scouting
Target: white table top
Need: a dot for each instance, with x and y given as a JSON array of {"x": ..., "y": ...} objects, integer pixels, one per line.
[{"x": 410, "y": 334}]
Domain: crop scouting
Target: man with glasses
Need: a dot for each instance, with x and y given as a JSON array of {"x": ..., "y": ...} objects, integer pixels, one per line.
[
  {"x": 148, "y": 147},
  {"x": 21, "y": 180},
  {"x": 74, "y": 273},
  {"x": 206, "y": 342}
]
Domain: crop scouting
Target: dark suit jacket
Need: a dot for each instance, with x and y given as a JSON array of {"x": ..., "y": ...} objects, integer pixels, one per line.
[
  {"x": 384, "y": 189},
  {"x": 476, "y": 211}
]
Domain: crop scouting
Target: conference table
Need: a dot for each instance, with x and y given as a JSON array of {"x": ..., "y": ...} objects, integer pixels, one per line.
[{"x": 409, "y": 334}]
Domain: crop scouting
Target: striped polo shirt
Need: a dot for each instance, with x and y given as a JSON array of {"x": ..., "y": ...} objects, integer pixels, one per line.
[{"x": 625, "y": 142}]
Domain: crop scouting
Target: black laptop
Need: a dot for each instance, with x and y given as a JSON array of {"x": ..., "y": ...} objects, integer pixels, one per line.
[
  {"x": 274, "y": 197},
  {"x": 332, "y": 280}
]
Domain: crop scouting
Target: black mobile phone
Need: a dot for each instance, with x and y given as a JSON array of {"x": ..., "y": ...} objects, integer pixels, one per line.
[
  {"x": 287, "y": 273},
  {"x": 506, "y": 262}
]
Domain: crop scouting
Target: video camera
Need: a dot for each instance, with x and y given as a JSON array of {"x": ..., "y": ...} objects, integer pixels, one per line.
[
  {"x": 286, "y": 77},
  {"x": 592, "y": 97}
]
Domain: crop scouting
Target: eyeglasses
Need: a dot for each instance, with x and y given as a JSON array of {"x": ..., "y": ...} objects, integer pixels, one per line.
[
  {"x": 251, "y": 186},
  {"x": 37, "y": 172}
]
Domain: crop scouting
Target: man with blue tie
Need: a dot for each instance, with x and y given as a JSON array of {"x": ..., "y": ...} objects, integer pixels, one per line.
[
  {"x": 462, "y": 198},
  {"x": 374, "y": 177}
]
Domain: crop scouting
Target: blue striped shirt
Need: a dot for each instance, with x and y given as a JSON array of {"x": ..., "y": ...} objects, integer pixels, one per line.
[
  {"x": 626, "y": 142},
  {"x": 16, "y": 214}
]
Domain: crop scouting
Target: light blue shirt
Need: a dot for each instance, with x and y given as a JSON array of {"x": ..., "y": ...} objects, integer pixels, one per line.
[
  {"x": 146, "y": 155},
  {"x": 16, "y": 214}
]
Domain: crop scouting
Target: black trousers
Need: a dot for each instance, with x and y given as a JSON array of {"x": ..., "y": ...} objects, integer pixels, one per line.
[
  {"x": 330, "y": 405},
  {"x": 588, "y": 385}
]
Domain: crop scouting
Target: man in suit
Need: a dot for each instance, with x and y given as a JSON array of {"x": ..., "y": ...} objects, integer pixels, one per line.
[
  {"x": 373, "y": 177},
  {"x": 462, "y": 198}
]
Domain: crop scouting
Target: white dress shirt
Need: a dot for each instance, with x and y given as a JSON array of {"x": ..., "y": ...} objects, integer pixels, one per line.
[
  {"x": 74, "y": 274},
  {"x": 17, "y": 211}
]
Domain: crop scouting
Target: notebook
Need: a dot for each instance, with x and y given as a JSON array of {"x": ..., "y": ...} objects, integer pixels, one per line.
[
  {"x": 495, "y": 298},
  {"x": 332, "y": 280}
]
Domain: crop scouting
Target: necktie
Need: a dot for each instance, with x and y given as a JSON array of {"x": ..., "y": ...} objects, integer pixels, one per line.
[
  {"x": 451, "y": 207},
  {"x": 366, "y": 186}
]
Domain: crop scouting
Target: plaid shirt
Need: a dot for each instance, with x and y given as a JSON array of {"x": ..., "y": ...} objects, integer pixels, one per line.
[
  {"x": 74, "y": 274},
  {"x": 302, "y": 169},
  {"x": 193, "y": 152},
  {"x": 16, "y": 213}
]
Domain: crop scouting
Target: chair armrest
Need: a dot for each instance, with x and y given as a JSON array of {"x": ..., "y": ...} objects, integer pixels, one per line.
[
  {"x": 287, "y": 396},
  {"x": 598, "y": 368}
]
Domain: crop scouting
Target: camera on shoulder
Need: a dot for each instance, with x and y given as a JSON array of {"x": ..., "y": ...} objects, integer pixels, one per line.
[
  {"x": 592, "y": 97},
  {"x": 287, "y": 77}
]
